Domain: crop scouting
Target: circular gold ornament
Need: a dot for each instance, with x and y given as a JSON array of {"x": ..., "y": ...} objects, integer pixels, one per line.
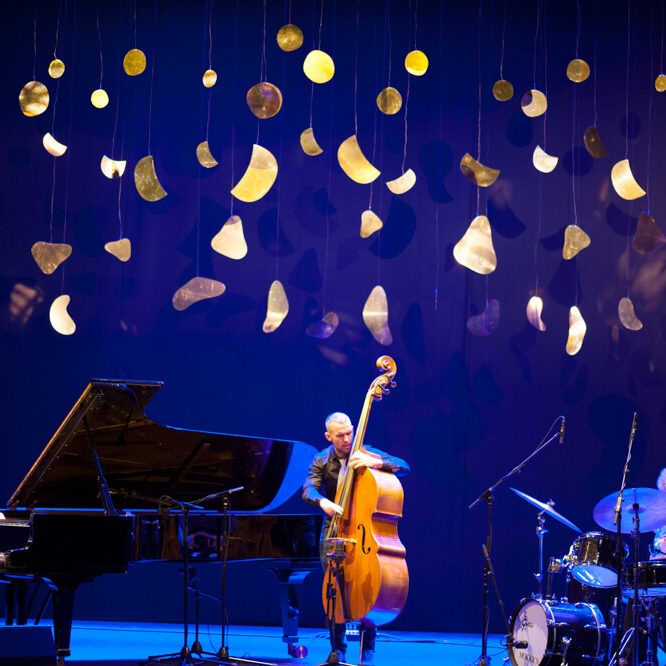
[
  {"x": 264, "y": 100},
  {"x": 209, "y": 78},
  {"x": 99, "y": 99},
  {"x": 318, "y": 66},
  {"x": 502, "y": 90},
  {"x": 134, "y": 62},
  {"x": 660, "y": 83},
  {"x": 578, "y": 70},
  {"x": 389, "y": 101},
  {"x": 416, "y": 62},
  {"x": 56, "y": 68},
  {"x": 33, "y": 98},
  {"x": 290, "y": 37}
]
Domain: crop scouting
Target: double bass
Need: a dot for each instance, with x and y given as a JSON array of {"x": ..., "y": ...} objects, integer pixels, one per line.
[{"x": 366, "y": 560}]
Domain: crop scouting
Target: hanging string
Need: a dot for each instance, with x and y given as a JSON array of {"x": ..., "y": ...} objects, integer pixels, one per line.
[
  {"x": 661, "y": 53},
  {"x": 321, "y": 20},
  {"x": 55, "y": 46},
  {"x": 134, "y": 24},
  {"x": 594, "y": 36},
  {"x": 478, "y": 118},
  {"x": 210, "y": 61},
  {"x": 439, "y": 152},
  {"x": 356, "y": 74},
  {"x": 233, "y": 112},
  {"x": 390, "y": 40},
  {"x": 578, "y": 28},
  {"x": 544, "y": 38},
  {"x": 263, "y": 70},
  {"x": 279, "y": 184},
  {"x": 101, "y": 58},
  {"x": 289, "y": 17},
  {"x": 34, "y": 45},
  {"x": 649, "y": 148},
  {"x": 314, "y": 24},
  {"x": 626, "y": 97},
  {"x": 573, "y": 153},
  {"x": 536, "y": 35},
  {"x": 503, "y": 36},
  {"x": 152, "y": 76}
]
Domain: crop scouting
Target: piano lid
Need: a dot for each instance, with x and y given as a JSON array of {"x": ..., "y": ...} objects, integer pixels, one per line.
[{"x": 143, "y": 460}]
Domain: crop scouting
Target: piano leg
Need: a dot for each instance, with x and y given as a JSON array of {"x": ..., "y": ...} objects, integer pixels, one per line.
[
  {"x": 63, "y": 609},
  {"x": 291, "y": 584}
]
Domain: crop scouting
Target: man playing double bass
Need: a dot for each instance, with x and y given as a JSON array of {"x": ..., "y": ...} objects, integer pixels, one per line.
[{"x": 325, "y": 474}]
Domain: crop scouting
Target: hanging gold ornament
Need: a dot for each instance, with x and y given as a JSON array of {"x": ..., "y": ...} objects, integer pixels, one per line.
[
  {"x": 478, "y": 173},
  {"x": 318, "y": 66},
  {"x": 56, "y": 68},
  {"x": 146, "y": 181},
  {"x": 486, "y": 322},
  {"x": 534, "y": 310},
  {"x": 121, "y": 249},
  {"x": 112, "y": 168},
  {"x": 59, "y": 317},
  {"x": 204, "y": 155},
  {"x": 534, "y": 103},
  {"x": 389, "y": 101},
  {"x": 660, "y": 83},
  {"x": 230, "y": 240},
  {"x": 502, "y": 91},
  {"x": 375, "y": 316},
  {"x": 277, "y": 307},
  {"x": 578, "y": 70},
  {"x": 258, "y": 177},
  {"x": 48, "y": 256},
  {"x": 627, "y": 316},
  {"x": 648, "y": 236},
  {"x": 624, "y": 182},
  {"x": 309, "y": 143},
  {"x": 593, "y": 143},
  {"x": 33, "y": 98},
  {"x": 575, "y": 240},
  {"x": 416, "y": 63},
  {"x": 475, "y": 249},
  {"x": 99, "y": 98},
  {"x": 577, "y": 330},
  {"x": 354, "y": 163},
  {"x": 264, "y": 100},
  {"x": 134, "y": 62},
  {"x": 403, "y": 183},
  {"x": 209, "y": 78},
  {"x": 325, "y": 327},
  {"x": 52, "y": 146},
  {"x": 543, "y": 161},
  {"x": 195, "y": 290},
  {"x": 370, "y": 222},
  {"x": 290, "y": 37}
]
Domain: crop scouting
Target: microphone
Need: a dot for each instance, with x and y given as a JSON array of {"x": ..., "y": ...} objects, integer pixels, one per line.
[
  {"x": 562, "y": 430},
  {"x": 633, "y": 426}
]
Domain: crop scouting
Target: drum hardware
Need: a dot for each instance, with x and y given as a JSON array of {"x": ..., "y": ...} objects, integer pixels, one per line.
[
  {"x": 592, "y": 560},
  {"x": 555, "y": 565}
]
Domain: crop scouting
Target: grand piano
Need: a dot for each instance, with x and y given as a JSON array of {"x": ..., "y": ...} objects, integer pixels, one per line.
[{"x": 112, "y": 487}]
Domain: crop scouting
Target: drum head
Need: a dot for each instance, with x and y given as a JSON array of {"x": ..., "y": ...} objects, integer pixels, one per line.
[
  {"x": 594, "y": 575},
  {"x": 530, "y": 626}
]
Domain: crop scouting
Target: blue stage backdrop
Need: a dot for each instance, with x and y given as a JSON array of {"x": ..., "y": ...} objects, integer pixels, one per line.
[{"x": 466, "y": 408}]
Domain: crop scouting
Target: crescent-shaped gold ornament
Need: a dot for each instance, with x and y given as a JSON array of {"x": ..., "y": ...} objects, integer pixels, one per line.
[
  {"x": 56, "y": 68},
  {"x": 99, "y": 98},
  {"x": 478, "y": 173},
  {"x": 534, "y": 103},
  {"x": 195, "y": 290},
  {"x": 575, "y": 240},
  {"x": 475, "y": 249},
  {"x": 121, "y": 249},
  {"x": 648, "y": 236},
  {"x": 134, "y": 62},
  {"x": 204, "y": 156},
  {"x": 59, "y": 317},
  {"x": 230, "y": 240},
  {"x": 370, "y": 222},
  {"x": 502, "y": 90},
  {"x": 486, "y": 322},
  {"x": 354, "y": 163},
  {"x": 112, "y": 168},
  {"x": 318, "y": 66},
  {"x": 389, "y": 101},
  {"x": 277, "y": 307},
  {"x": 543, "y": 161},
  {"x": 33, "y": 98},
  {"x": 403, "y": 183},
  {"x": 209, "y": 78},
  {"x": 627, "y": 316},
  {"x": 290, "y": 37},
  {"x": 264, "y": 100},
  {"x": 258, "y": 177},
  {"x": 577, "y": 330},
  {"x": 624, "y": 182},
  {"x": 48, "y": 256},
  {"x": 416, "y": 63},
  {"x": 146, "y": 181},
  {"x": 309, "y": 143},
  {"x": 578, "y": 70},
  {"x": 52, "y": 146},
  {"x": 375, "y": 315},
  {"x": 534, "y": 310},
  {"x": 593, "y": 143},
  {"x": 325, "y": 327}
]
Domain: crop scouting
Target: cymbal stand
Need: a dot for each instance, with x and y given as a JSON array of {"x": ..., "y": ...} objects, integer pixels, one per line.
[
  {"x": 635, "y": 607},
  {"x": 540, "y": 531},
  {"x": 487, "y": 495}
]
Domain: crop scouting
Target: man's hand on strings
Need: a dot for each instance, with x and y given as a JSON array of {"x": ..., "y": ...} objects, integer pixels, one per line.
[
  {"x": 330, "y": 508},
  {"x": 361, "y": 459}
]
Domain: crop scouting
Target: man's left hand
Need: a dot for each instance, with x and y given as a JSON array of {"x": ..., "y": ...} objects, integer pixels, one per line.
[{"x": 363, "y": 459}]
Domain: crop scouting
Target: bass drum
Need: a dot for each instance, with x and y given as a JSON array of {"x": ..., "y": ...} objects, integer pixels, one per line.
[{"x": 554, "y": 632}]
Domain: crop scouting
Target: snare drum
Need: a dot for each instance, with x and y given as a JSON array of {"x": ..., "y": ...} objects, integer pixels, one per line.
[
  {"x": 651, "y": 579},
  {"x": 548, "y": 631},
  {"x": 593, "y": 560}
]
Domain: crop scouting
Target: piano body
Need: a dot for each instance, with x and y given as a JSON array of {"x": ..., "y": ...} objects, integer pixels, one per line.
[{"x": 95, "y": 502}]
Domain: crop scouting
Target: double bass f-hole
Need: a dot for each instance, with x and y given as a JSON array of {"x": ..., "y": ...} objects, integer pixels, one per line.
[{"x": 361, "y": 526}]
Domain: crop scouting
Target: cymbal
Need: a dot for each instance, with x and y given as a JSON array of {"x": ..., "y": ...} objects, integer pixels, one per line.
[
  {"x": 546, "y": 508},
  {"x": 651, "y": 510}
]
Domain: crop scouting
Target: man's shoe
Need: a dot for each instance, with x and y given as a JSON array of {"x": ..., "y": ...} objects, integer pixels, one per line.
[
  {"x": 368, "y": 658},
  {"x": 336, "y": 657}
]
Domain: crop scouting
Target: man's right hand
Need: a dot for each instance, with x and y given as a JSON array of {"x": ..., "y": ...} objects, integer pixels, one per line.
[{"x": 330, "y": 508}]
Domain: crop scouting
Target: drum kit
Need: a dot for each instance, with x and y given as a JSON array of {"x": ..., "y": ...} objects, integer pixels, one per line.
[{"x": 580, "y": 627}]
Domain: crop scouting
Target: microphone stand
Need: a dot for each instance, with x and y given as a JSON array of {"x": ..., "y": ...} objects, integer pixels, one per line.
[{"x": 487, "y": 494}]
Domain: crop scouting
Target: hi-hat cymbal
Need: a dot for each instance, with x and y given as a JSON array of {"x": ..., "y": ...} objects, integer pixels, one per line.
[
  {"x": 546, "y": 508},
  {"x": 651, "y": 510}
]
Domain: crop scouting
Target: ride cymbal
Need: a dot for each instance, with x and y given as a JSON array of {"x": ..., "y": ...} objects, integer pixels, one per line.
[
  {"x": 651, "y": 510},
  {"x": 546, "y": 508}
]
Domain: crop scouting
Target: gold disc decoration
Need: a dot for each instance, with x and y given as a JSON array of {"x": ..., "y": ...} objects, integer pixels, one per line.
[
  {"x": 575, "y": 240},
  {"x": 660, "y": 83},
  {"x": 543, "y": 161},
  {"x": 146, "y": 181},
  {"x": 354, "y": 163},
  {"x": 209, "y": 78},
  {"x": 264, "y": 100},
  {"x": 99, "y": 98},
  {"x": 578, "y": 70},
  {"x": 485, "y": 322},
  {"x": 375, "y": 315},
  {"x": 624, "y": 182},
  {"x": 502, "y": 90},
  {"x": 475, "y": 249},
  {"x": 416, "y": 63},
  {"x": 577, "y": 330},
  {"x": 258, "y": 177},
  {"x": 48, "y": 256},
  {"x": 56, "y": 68},
  {"x": 59, "y": 317},
  {"x": 52, "y": 146},
  {"x": 230, "y": 240},
  {"x": 534, "y": 103},
  {"x": 478, "y": 173},
  {"x": 648, "y": 236},
  {"x": 370, "y": 222},
  {"x": 403, "y": 183},
  {"x": 593, "y": 143},
  {"x": 627, "y": 316},
  {"x": 534, "y": 310},
  {"x": 277, "y": 307},
  {"x": 318, "y": 66},
  {"x": 33, "y": 98},
  {"x": 325, "y": 327},
  {"x": 389, "y": 101},
  {"x": 120, "y": 249},
  {"x": 204, "y": 156},
  {"x": 134, "y": 62},
  {"x": 112, "y": 168},
  {"x": 290, "y": 37},
  {"x": 195, "y": 290},
  {"x": 309, "y": 143}
]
